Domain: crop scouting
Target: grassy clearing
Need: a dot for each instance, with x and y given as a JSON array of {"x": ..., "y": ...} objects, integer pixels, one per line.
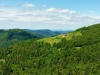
[
  {"x": 73, "y": 34},
  {"x": 78, "y": 48},
  {"x": 58, "y": 38},
  {"x": 51, "y": 40}
]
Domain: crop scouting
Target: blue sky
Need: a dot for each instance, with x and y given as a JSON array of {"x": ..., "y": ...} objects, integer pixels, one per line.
[{"x": 48, "y": 14}]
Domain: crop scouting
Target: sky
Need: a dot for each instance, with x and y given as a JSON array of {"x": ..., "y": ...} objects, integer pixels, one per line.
[{"x": 49, "y": 14}]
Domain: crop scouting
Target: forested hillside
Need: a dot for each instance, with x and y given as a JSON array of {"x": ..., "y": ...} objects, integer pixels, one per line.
[
  {"x": 79, "y": 55},
  {"x": 46, "y": 32},
  {"x": 8, "y": 37}
]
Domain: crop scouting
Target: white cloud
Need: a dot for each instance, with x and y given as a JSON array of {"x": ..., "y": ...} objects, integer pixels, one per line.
[
  {"x": 90, "y": 12},
  {"x": 44, "y": 5},
  {"x": 52, "y": 9},
  {"x": 51, "y": 16},
  {"x": 27, "y": 5}
]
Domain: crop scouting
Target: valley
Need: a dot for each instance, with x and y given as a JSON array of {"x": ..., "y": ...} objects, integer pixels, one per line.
[
  {"x": 49, "y": 37},
  {"x": 73, "y": 53}
]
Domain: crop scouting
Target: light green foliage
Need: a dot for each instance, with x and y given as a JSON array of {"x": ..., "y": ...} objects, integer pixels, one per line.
[
  {"x": 58, "y": 38},
  {"x": 73, "y": 34},
  {"x": 51, "y": 40}
]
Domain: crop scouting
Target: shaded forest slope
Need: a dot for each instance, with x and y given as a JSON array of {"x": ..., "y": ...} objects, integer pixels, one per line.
[{"x": 11, "y": 36}]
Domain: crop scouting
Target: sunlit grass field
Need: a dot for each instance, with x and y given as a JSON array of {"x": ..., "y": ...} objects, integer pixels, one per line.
[{"x": 58, "y": 38}]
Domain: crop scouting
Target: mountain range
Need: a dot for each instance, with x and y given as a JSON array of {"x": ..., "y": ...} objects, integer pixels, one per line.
[
  {"x": 11, "y": 36},
  {"x": 47, "y": 32}
]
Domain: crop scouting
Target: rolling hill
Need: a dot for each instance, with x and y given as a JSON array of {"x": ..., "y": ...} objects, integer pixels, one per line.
[
  {"x": 78, "y": 53},
  {"x": 58, "y": 38},
  {"x": 10, "y": 36},
  {"x": 47, "y": 32}
]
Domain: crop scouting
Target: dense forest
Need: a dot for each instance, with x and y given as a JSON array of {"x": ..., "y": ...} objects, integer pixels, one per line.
[
  {"x": 11, "y": 36},
  {"x": 78, "y": 56}
]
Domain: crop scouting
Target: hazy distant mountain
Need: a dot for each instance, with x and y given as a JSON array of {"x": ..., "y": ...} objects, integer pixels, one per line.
[
  {"x": 46, "y": 32},
  {"x": 10, "y": 36}
]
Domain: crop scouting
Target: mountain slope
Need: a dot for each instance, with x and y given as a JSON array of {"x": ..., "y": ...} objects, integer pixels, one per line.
[
  {"x": 46, "y": 32},
  {"x": 58, "y": 38},
  {"x": 77, "y": 55},
  {"x": 11, "y": 36},
  {"x": 83, "y": 36}
]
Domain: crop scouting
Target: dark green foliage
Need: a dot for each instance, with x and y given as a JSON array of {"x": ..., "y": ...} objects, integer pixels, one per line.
[
  {"x": 8, "y": 37},
  {"x": 78, "y": 56}
]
